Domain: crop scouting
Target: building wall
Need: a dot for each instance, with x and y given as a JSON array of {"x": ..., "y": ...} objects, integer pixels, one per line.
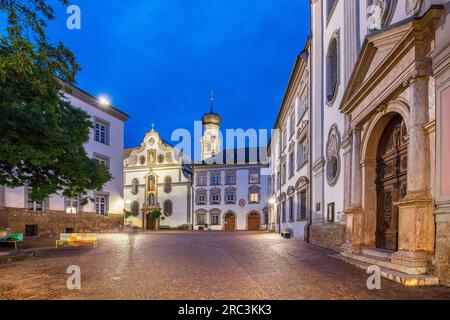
[
  {"x": 242, "y": 186},
  {"x": 54, "y": 216},
  {"x": 294, "y": 110},
  {"x": 441, "y": 72}
]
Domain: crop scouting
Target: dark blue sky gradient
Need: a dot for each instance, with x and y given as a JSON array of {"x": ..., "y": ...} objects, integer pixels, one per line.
[{"x": 158, "y": 59}]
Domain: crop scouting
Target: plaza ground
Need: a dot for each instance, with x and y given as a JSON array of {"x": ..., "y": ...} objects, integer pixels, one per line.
[{"x": 196, "y": 265}]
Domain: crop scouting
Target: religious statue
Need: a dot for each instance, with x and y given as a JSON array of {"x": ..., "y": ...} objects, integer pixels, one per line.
[
  {"x": 413, "y": 7},
  {"x": 379, "y": 11}
]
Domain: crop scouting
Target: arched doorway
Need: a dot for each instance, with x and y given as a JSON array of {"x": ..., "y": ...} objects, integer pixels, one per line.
[
  {"x": 391, "y": 181},
  {"x": 230, "y": 221},
  {"x": 253, "y": 221}
]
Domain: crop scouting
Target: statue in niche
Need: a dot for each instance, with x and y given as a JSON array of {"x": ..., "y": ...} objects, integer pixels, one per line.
[
  {"x": 413, "y": 7},
  {"x": 152, "y": 156}
]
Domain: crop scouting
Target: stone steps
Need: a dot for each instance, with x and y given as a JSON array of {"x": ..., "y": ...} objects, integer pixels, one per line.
[
  {"x": 385, "y": 263},
  {"x": 393, "y": 275},
  {"x": 377, "y": 253}
]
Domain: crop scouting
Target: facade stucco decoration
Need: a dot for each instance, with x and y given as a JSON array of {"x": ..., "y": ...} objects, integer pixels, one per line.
[
  {"x": 387, "y": 8},
  {"x": 333, "y": 158},
  {"x": 413, "y": 7},
  {"x": 302, "y": 183}
]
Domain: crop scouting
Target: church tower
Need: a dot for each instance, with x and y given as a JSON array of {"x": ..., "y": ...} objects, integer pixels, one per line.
[{"x": 211, "y": 144}]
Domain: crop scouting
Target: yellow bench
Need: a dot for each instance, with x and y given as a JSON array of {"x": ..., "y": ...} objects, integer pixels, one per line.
[{"x": 77, "y": 240}]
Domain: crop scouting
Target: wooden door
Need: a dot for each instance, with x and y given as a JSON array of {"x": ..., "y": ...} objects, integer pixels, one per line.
[
  {"x": 253, "y": 222},
  {"x": 230, "y": 222},
  {"x": 391, "y": 181}
]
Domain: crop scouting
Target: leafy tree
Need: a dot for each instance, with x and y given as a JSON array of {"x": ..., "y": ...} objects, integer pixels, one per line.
[
  {"x": 155, "y": 214},
  {"x": 42, "y": 135}
]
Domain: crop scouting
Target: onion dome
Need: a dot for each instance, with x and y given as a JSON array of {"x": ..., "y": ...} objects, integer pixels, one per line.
[{"x": 211, "y": 117}]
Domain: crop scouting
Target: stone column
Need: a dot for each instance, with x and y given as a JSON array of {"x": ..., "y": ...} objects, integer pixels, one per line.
[
  {"x": 354, "y": 213},
  {"x": 416, "y": 221}
]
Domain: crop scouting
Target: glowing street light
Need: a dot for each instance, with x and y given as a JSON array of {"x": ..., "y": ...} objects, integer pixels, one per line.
[
  {"x": 104, "y": 101},
  {"x": 272, "y": 201}
]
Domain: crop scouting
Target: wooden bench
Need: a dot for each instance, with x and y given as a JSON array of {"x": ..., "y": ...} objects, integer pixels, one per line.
[
  {"x": 11, "y": 238},
  {"x": 77, "y": 240}
]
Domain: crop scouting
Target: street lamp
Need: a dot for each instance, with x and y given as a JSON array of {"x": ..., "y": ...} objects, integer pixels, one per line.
[{"x": 104, "y": 101}]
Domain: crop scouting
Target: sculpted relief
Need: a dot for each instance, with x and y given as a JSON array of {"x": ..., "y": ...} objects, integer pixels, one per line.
[
  {"x": 379, "y": 13},
  {"x": 413, "y": 7}
]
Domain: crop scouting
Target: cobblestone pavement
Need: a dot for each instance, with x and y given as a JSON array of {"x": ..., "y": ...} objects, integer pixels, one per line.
[{"x": 186, "y": 265}]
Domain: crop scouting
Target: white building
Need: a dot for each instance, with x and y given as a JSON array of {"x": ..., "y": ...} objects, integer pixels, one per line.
[
  {"x": 60, "y": 214},
  {"x": 158, "y": 178},
  {"x": 289, "y": 156},
  {"x": 230, "y": 186}
]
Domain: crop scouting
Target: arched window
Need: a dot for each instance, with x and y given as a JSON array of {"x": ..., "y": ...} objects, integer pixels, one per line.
[
  {"x": 332, "y": 69},
  {"x": 135, "y": 208},
  {"x": 168, "y": 184},
  {"x": 135, "y": 186},
  {"x": 168, "y": 208}
]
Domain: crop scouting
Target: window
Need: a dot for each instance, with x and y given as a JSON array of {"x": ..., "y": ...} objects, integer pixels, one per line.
[
  {"x": 135, "y": 186},
  {"x": 215, "y": 220},
  {"x": 201, "y": 180},
  {"x": 291, "y": 164},
  {"x": 230, "y": 195},
  {"x": 291, "y": 209},
  {"x": 101, "y": 205},
  {"x": 278, "y": 179},
  {"x": 201, "y": 197},
  {"x": 254, "y": 177},
  {"x": 231, "y": 179},
  {"x": 332, "y": 70},
  {"x": 301, "y": 206},
  {"x": 253, "y": 195},
  {"x": 135, "y": 208},
  {"x": 283, "y": 139},
  {"x": 265, "y": 216},
  {"x": 215, "y": 198},
  {"x": 283, "y": 173},
  {"x": 33, "y": 205},
  {"x": 302, "y": 153},
  {"x": 168, "y": 208},
  {"x": 101, "y": 133},
  {"x": 72, "y": 205},
  {"x": 103, "y": 160},
  {"x": 301, "y": 108},
  {"x": 201, "y": 219},
  {"x": 292, "y": 124},
  {"x": 330, "y": 212},
  {"x": 283, "y": 211},
  {"x": 168, "y": 184},
  {"x": 215, "y": 180}
]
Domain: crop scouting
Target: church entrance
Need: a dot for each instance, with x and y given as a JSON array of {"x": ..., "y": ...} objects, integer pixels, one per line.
[
  {"x": 230, "y": 221},
  {"x": 151, "y": 223},
  {"x": 391, "y": 181},
  {"x": 253, "y": 222}
]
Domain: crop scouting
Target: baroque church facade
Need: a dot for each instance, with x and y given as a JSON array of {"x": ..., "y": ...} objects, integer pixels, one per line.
[
  {"x": 379, "y": 83},
  {"x": 226, "y": 190}
]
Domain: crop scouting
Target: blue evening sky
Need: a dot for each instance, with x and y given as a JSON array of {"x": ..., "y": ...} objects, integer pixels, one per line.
[{"x": 159, "y": 59}]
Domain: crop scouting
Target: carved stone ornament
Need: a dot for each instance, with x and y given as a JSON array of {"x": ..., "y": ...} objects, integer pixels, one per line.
[
  {"x": 333, "y": 158},
  {"x": 380, "y": 13},
  {"x": 413, "y": 7}
]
